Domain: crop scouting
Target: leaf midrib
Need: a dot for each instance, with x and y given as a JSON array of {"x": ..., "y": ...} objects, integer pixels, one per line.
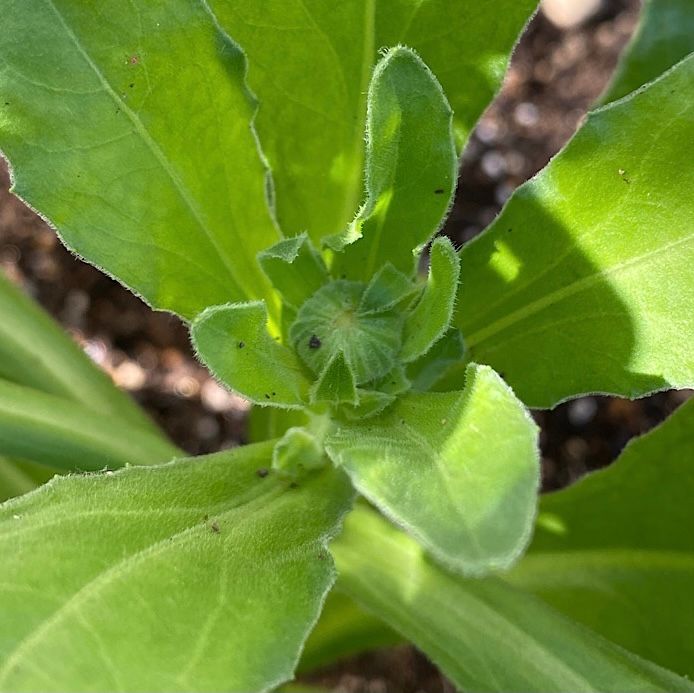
[
  {"x": 484, "y": 334},
  {"x": 94, "y": 583},
  {"x": 152, "y": 146}
]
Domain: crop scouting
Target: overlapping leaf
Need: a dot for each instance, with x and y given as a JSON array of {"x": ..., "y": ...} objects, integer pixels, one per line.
[
  {"x": 459, "y": 470},
  {"x": 616, "y": 550},
  {"x": 165, "y": 578},
  {"x": 128, "y": 126},
  {"x": 313, "y": 97},
  {"x": 483, "y": 634},
  {"x": 584, "y": 282},
  {"x": 664, "y": 36}
]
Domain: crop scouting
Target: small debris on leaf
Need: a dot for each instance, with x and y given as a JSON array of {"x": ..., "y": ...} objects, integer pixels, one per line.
[{"x": 314, "y": 342}]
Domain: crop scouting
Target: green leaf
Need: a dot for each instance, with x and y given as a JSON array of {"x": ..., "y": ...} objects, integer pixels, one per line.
[
  {"x": 664, "y": 36},
  {"x": 584, "y": 281},
  {"x": 343, "y": 630},
  {"x": 336, "y": 382},
  {"x": 128, "y": 127},
  {"x": 70, "y": 436},
  {"x": 295, "y": 269},
  {"x": 411, "y": 168},
  {"x": 332, "y": 322},
  {"x": 310, "y": 64},
  {"x": 18, "y": 477},
  {"x": 616, "y": 550},
  {"x": 483, "y": 634},
  {"x": 428, "y": 369},
  {"x": 35, "y": 352},
  {"x": 387, "y": 289},
  {"x": 234, "y": 342},
  {"x": 197, "y": 575},
  {"x": 297, "y": 451},
  {"x": 430, "y": 318},
  {"x": 458, "y": 470}
]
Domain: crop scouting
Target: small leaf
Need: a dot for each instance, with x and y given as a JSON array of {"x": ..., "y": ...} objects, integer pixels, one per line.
[
  {"x": 411, "y": 168},
  {"x": 387, "y": 288},
  {"x": 295, "y": 269},
  {"x": 234, "y": 342},
  {"x": 583, "y": 283},
  {"x": 458, "y": 470},
  {"x": 430, "y": 318},
  {"x": 615, "y": 551},
  {"x": 483, "y": 634},
  {"x": 665, "y": 35},
  {"x": 175, "y": 577},
  {"x": 63, "y": 434},
  {"x": 336, "y": 383},
  {"x": 297, "y": 452}
]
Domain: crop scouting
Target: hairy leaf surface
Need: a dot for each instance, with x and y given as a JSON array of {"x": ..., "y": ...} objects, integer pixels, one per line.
[
  {"x": 128, "y": 126},
  {"x": 458, "y": 470},
  {"x": 313, "y": 97},
  {"x": 584, "y": 281},
  {"x": 411, "y": 168},
  {"x": 176, "y": 577},
  {"x": 235, "y": 344},
  {"x": 483, "y": 634},
  {"x": 616, "y": 550},
  {"x": 664, "y": 36}
]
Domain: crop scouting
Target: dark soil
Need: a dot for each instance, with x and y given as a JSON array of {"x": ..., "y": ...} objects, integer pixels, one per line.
[{"x": 555, "y": 77}]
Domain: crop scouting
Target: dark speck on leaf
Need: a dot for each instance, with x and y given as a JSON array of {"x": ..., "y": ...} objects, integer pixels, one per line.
[
  {"x": 314, "y": 342},
  {"x": 242, "y": 344},
  {"x": 133, "y": 60},
  {"x": 267, "y": 396},
  {"x": 214, "y": 527},
  {"x": 131, "y": 85},
  {"x": 509, "y": 230},
  {"x": 274, "y": 393},
  {"x": 262, "y": 472},
  {"x": 439, "y": 191},
  {"x": 293, "y": 485}
]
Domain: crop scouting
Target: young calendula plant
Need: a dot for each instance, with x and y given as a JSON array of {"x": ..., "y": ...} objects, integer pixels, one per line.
[{"x": 276, "y": 174}]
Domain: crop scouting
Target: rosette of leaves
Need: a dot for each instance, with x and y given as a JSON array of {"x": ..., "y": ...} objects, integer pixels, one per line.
[{"x": 211, "y": 157}]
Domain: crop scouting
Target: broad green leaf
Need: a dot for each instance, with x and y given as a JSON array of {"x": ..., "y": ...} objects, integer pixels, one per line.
[
  {"x": 128, "y": 126},
  {"x": 430, "y": 318},
  {"x": 584, "y": 281},
  {"x": 197, "y": 575},
  {"x": 458, "y": 470},
  {"x": 411, "y": 168},
  {"x": 664, "y": 36},
  {"x": 336, "y": 383},
  {"x": 67, "y": 435},
  {"x": 616, "y": 550},
  {"x": 35, "y": 352},
  {"x": 309, "y": 65},
  {"x": 234, "y": 343},
  {"x": 483, "y": 634},
  {"x": 295, "y": 269},
  {"x": 343, "y": 630}
]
